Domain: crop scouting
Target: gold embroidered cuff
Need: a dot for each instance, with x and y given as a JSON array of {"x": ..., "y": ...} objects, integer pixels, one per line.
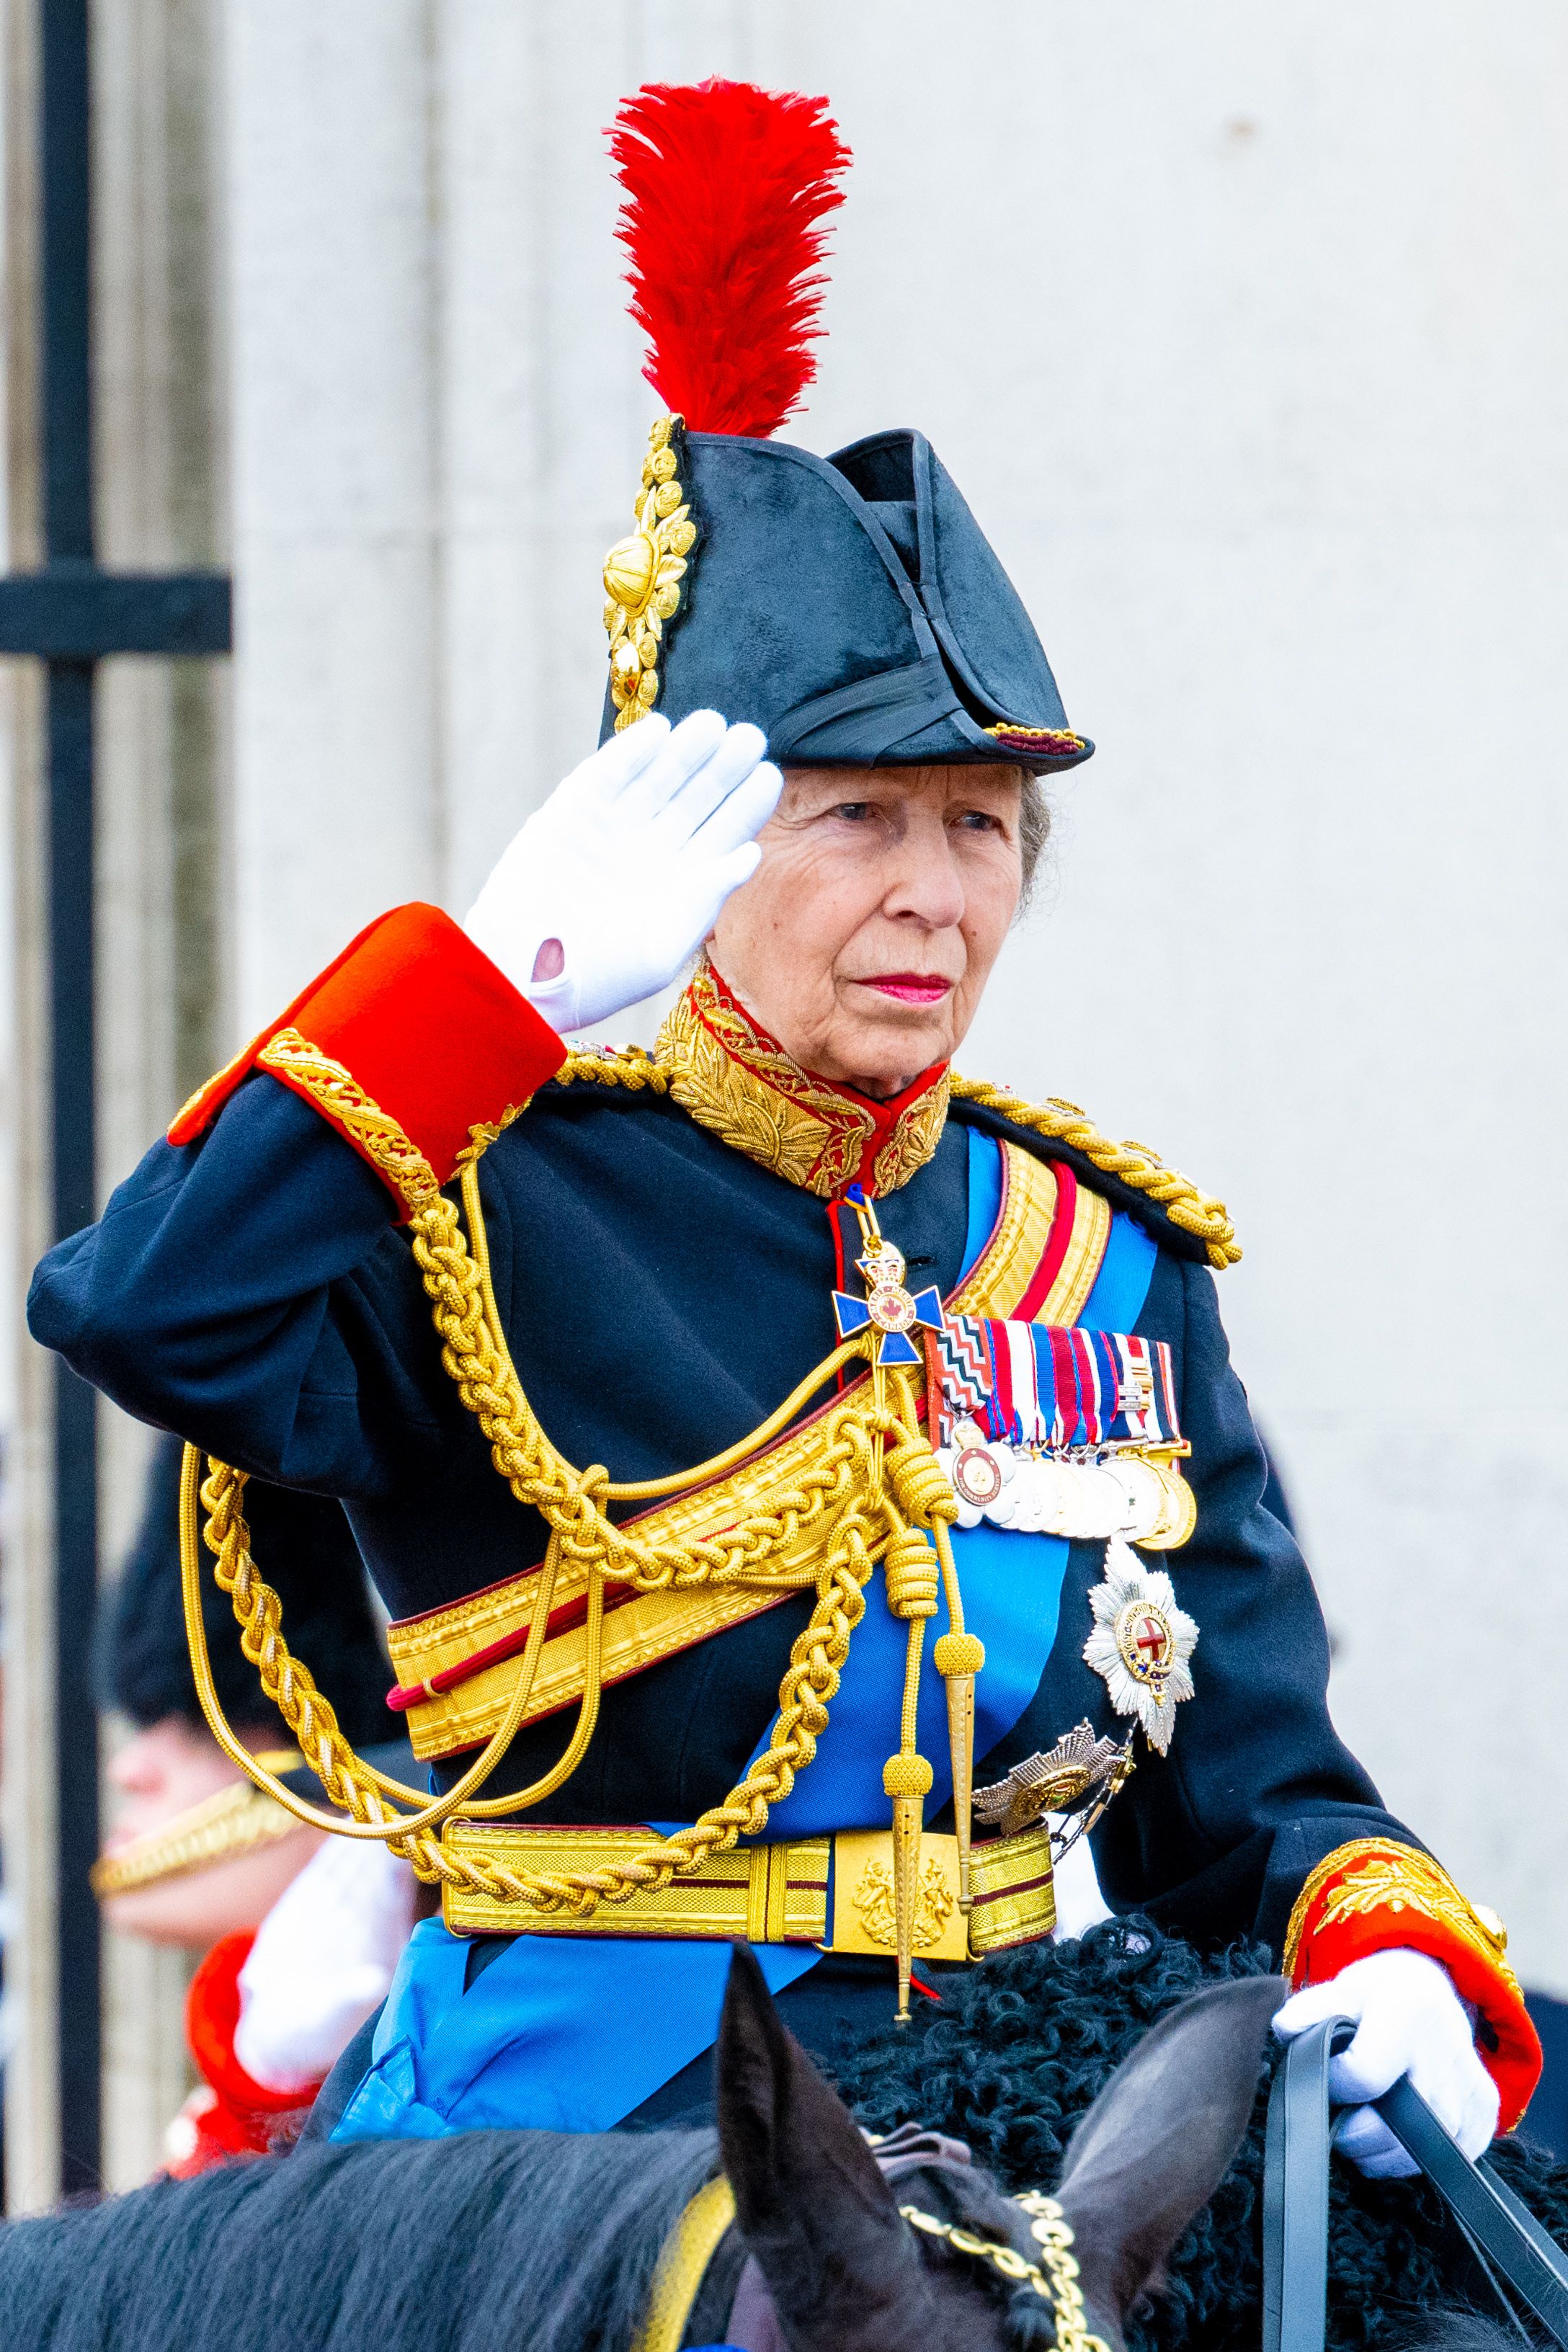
[
  {"x": 1370, "y": 1875},
  {"x": 343, "y": 1104}
]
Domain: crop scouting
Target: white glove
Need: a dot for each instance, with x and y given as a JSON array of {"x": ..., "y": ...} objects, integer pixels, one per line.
[
  {"x": 321, "y": 1961},
  {"x": 611, "y": 885},
  {"x": 1410, "y": 2020}
]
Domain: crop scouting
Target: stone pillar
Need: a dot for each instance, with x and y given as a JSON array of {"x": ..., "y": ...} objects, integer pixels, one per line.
[
  {"x": 26, "y": 1612},
  {"x": 161, "y": 478}
]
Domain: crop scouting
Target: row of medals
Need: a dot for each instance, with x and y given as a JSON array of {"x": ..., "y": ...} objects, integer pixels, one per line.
[{"x": 1086, "y": 1496}]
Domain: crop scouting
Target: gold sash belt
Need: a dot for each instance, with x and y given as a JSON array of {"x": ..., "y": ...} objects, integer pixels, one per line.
[{"x": 776, "y": 1894}]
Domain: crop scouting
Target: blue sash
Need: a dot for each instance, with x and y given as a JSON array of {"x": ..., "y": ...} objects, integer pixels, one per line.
[{"x": 528, "y": 2047}]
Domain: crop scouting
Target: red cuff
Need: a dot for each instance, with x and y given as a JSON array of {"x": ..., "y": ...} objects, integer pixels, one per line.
[
  {"x": 405, "y": 1043},
  {"x": 1371, "y": 1896},
  {"x": 212, "y": 2018}
]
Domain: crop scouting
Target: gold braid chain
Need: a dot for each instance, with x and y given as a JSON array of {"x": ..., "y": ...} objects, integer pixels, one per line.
[
  {"x": 476, "y": 1358},
  {"x": 810, "y": 1683},
  {"x": 1186, "y": 1205},
  {"x": 1054, "y": 2278},
  {"x": 873, "y": 1491},
  {"x": 877, "y": 1480}
]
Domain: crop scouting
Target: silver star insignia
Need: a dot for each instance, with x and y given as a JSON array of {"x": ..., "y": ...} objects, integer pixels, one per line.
[{"x": 1078, "y": 1766}]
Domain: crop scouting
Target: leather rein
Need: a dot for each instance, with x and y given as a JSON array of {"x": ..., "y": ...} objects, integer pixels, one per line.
[{"x": 1507, "y": 2240}]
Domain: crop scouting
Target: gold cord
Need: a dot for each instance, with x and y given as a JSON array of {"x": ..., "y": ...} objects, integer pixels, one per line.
[
  {"x": 345, "y": 1776},
  {"x": 880, "y": 1476},
  {"x": 878, "y": 1486},
  {"x": 1196, "y": 1213},
  {"x": 878, "y": 1492},
  {"x": 958, "y": 1657}
]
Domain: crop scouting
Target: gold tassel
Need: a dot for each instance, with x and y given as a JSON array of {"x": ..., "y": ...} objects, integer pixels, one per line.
[
  {"x": 907, "y": 1778},
  {"x": 958, "y": 1657},
  {"x": 910, "y": 1567}
]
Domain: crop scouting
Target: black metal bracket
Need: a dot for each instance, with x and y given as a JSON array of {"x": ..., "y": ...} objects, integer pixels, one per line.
[{"x": 71, "y": 611}]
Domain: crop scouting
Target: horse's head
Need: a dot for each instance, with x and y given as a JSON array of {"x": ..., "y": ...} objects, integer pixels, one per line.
[{"x": 849, "y": 2274}]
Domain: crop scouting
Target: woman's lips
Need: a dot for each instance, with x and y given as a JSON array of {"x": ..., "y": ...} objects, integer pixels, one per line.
[{"x": 909, "y": 987}]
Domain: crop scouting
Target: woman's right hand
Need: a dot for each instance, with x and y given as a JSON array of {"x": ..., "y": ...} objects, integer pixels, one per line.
[{"x": 608, "y": 888}]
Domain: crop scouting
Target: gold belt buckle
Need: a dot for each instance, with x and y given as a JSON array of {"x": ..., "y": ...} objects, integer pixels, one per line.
[{"x": 863, "y": 1914}]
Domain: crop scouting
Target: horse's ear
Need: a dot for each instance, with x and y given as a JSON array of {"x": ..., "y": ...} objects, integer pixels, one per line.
[
  {"x": 811, "y": 2204},
  {"x": 1161, "y": 2137}
]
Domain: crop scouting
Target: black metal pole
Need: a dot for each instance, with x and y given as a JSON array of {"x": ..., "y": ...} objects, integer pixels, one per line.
[
  {"x": 65, "y": 275},
  {"x": 65, "y": 409},
  {"x": 76, "y": 1483}
]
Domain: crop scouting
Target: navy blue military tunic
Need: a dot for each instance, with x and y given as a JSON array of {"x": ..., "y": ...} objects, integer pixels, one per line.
[{"x": 661, "y": 1293}]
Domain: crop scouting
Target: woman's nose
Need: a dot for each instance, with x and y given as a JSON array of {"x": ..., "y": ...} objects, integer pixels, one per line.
[{"x": 928, "y": 886}]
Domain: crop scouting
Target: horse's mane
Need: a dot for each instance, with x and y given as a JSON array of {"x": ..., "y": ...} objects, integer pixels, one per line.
[
  {"x": 497, "y": 2239},
  {"x": 548, "y": 2241}
]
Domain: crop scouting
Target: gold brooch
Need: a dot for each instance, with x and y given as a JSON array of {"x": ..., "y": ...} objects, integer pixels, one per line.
[
  {"x": 643, "y": 576},
  {"x": 1079, "y": 1765}
]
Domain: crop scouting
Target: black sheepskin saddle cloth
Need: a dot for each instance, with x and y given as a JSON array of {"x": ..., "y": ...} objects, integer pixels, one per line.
[{"x": 1021, "y": 2045}]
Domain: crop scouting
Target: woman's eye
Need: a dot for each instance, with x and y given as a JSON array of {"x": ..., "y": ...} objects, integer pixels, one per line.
[
  {"x": 980, "y": 821},
  {"x": 853, "y": 812}
]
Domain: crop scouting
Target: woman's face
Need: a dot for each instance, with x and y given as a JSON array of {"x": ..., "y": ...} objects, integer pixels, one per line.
[
  {"x": 865, "y": 936},
  {"x": 159, "y": 1774}
]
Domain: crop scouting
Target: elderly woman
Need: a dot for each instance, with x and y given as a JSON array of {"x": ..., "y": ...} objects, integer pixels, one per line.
[{"x": 784, "y": 1458}]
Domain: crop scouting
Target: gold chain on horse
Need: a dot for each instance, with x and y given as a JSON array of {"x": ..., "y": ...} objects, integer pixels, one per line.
[{"x": 1054, "y": 2278}]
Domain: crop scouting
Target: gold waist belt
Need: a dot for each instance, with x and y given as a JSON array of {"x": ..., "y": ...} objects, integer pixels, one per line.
[{"x": 779, "y": 1893}]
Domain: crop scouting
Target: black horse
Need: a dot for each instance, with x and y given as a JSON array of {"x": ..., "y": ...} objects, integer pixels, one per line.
[{"x": 511, "y": 2239}]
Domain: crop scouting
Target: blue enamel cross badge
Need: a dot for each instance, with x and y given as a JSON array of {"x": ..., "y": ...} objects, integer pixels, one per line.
[{"x": 889, "y": 1306}]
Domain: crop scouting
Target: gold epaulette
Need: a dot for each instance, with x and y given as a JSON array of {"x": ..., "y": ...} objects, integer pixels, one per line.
[
  {"x": 232, "y": 1821},
  {"x": 1195, "y": 1211}
]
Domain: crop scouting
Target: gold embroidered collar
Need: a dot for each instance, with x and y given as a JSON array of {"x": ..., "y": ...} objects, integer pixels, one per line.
[{"x": 738, "y": 1081}]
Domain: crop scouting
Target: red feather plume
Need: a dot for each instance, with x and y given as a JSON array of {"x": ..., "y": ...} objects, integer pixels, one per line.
[{"x": 725, "y": 184}]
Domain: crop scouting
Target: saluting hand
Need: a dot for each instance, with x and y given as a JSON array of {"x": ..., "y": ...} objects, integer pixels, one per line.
[{"x": 610, "y": 885}]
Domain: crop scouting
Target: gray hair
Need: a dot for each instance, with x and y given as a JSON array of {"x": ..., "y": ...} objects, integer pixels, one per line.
[{"x": 1034, "y": 830}]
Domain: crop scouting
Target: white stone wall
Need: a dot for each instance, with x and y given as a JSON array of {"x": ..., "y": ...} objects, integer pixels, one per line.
[{"x": 1245, "y": 331}]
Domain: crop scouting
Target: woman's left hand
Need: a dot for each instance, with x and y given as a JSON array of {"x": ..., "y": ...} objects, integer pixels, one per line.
[{"x": 1409, "y": 2021}]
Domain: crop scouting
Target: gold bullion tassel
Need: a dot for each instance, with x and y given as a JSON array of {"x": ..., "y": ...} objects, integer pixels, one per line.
[
  {"x": 907, "y": 1778},
  {"x": 958, "y": 1658},
  {"x": 911, "y": 1569}
]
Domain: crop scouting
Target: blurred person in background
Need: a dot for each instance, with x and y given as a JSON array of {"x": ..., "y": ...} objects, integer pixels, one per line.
[{"x": 299, "y": 1933}]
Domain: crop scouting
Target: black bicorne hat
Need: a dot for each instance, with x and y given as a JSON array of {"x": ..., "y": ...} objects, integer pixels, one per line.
[
  {"x": 304, "y": 1547},
  {"x": 850, "y": 606}
]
